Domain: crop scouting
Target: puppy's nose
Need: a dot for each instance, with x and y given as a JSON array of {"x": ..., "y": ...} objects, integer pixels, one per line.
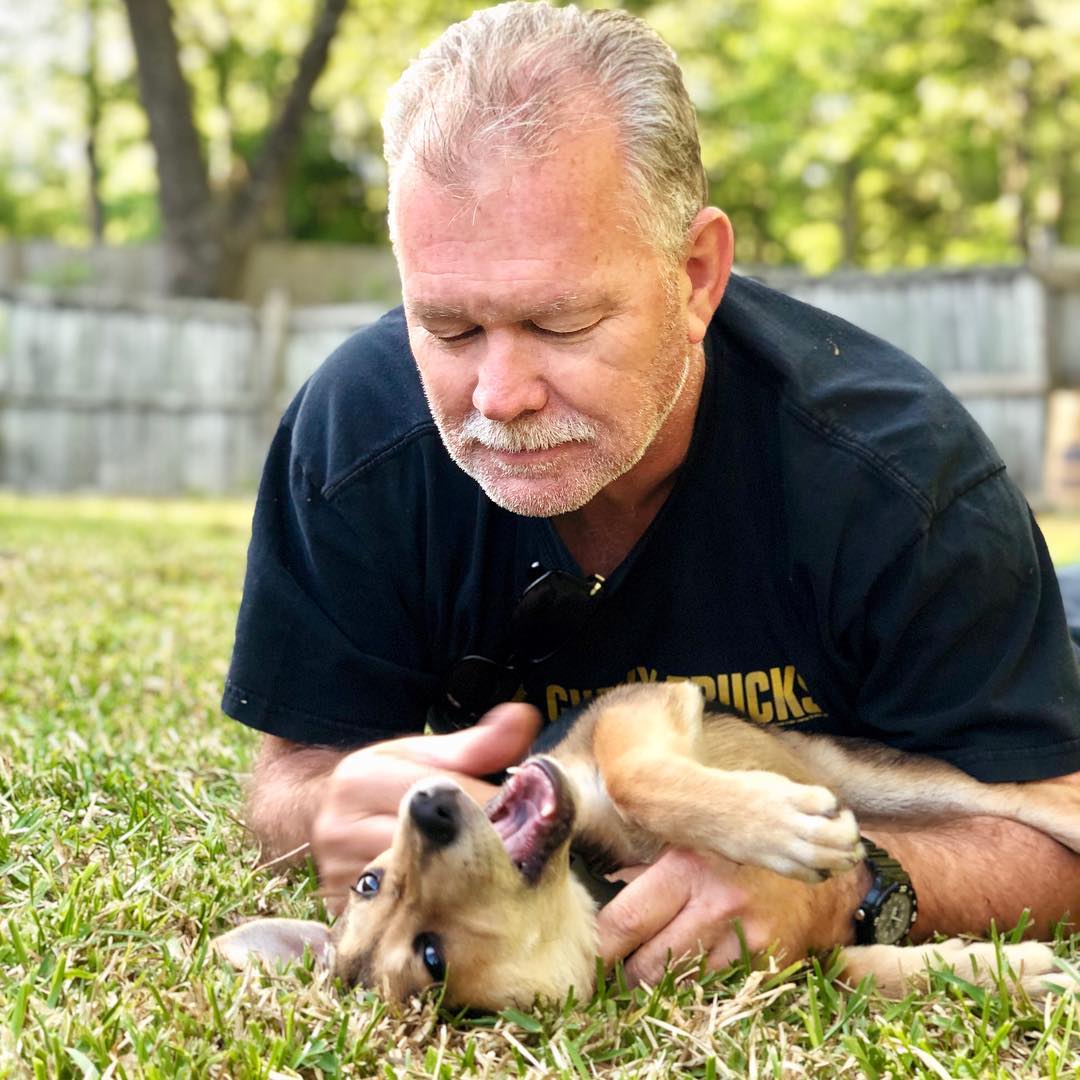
[{"x": 436, "y": 814}]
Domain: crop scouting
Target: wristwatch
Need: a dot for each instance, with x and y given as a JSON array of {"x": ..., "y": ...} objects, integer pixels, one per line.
[{"x": 889, "y": 909}]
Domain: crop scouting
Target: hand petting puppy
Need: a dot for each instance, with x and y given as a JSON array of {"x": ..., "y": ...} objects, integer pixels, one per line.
[
  {"x": 358, "y": 815},
  {"x": 686, "y": 903}
]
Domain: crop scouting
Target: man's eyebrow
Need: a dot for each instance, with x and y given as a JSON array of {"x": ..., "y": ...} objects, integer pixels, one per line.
[
  {"x": 556, "y": 305},
  {"x": 434, "y": 311}
]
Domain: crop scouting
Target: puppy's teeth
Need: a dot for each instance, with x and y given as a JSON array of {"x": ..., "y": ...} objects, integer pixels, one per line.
[
  {"x": 513, "y": 770},
  {"x": 548, "y": 809}
]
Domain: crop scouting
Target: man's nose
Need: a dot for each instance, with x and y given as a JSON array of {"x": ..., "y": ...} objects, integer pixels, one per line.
[{"x": 508, "y": 380}]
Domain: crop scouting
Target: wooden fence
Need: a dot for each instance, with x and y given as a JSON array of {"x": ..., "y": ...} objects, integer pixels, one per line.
[
  {"x": 311, "y": 273},
  {"x": 151, "y": 396},
  {"x": 160, "y": 396}
]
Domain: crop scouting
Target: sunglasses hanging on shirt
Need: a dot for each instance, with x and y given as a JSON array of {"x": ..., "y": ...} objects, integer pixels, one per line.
[{"x": 553, "y": 609}]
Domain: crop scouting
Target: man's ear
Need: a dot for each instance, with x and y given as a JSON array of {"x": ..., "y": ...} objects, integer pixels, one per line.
[
  {"x": 707, "y": 267},
  {"x": 275, "y": 942}
]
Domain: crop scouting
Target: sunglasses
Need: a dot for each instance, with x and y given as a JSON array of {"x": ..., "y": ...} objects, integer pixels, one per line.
[{"x": 552, "y": 609}]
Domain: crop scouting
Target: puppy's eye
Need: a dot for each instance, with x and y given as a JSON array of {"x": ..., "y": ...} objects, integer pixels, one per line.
[
  {"x": 428, "y": 946},
  {"x": 368, "y": 885}
]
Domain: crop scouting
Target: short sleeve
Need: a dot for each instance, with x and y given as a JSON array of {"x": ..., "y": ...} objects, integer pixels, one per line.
[
  {"x": 964, "y": 649},
  {"x": 330, "y": 643}
]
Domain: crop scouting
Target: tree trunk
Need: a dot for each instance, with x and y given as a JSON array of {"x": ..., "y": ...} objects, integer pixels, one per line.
[
  {"x": 274, "y": 157},
  {"x": 208, "y": 240},
  {"x": 93, "y": 126},
  {"x": 187, "y": 208},
  {"x": 850, "y": 227},
  {"x": 1064, "y": 231}
]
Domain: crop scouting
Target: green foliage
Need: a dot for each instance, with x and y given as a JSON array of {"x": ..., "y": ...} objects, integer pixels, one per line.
[
  {"x": 331, "y": 199},
  {"x": 878, "y": 133},
  {"x": 886, "y": 132},
  {"x": 122, "y": 853}
]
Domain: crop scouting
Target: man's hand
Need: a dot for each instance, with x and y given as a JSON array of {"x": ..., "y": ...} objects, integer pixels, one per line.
[
  {"x": 686, "y": 902},
  {"x": 358, "y": 811}
]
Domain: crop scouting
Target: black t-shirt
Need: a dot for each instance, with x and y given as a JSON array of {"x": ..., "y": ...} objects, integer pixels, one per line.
[{"x": 842, "y": 551}]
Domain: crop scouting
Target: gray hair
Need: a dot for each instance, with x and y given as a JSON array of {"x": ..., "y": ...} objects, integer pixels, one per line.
[{"x": 512, "y": 79}]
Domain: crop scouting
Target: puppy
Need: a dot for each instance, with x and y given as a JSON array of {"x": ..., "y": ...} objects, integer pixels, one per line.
[{"x": 484, "y": 900}]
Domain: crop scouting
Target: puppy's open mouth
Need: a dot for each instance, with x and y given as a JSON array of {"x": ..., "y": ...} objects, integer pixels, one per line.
[{"x": 533, "y": 814}]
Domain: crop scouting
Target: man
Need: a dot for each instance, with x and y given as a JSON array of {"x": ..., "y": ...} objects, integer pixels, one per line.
[{"x": 781, "y": 507}]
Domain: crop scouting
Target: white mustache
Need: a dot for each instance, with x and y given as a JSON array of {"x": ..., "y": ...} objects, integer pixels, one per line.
[{"x": 519, "y": 436}]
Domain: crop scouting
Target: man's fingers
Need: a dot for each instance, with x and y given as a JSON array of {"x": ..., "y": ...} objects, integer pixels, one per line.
[
  {"x": 681, "y": 906},
  {"x": 342, "y": 841},
  {"x": 727, "y": 951},
  {"x": 501, "y": 738},
  {"x": 343, "y": 847},
  {"x": 374, "y": 785},
  {"x": 380, "y": 790},
  {"x": 683, "y": 936},
  {"x": 639, "y": 913}
]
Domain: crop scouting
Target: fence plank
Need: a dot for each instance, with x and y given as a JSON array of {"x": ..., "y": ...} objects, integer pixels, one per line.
[{"x": 151, "y": 395}]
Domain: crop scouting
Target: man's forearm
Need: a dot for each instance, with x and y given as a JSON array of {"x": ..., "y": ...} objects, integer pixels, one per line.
[
  {"x": 287, "y": 787},
  {"x": 974, "y": 871}
]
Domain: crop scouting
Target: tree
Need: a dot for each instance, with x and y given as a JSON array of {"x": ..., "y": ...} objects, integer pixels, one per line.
[
  {"x": 873, "y": 133},
  {"x": 209, "y": 235},
  {"x": 885, "y": 133}
]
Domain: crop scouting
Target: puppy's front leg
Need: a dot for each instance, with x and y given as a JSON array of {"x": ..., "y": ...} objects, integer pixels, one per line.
[{"x": 649, "y": 746}]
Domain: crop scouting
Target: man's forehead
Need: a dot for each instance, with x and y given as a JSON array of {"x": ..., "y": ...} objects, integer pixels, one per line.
[
  {"x": 579, "y": 131},
  {"x": 579, "y": 185}
]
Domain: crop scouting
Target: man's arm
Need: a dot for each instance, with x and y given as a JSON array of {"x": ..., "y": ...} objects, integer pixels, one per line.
[
  {"x": 971, "y": 872},
  {"x": 288, "y": 783},
  {"x": 966, "y": 873},
  {"x": 344, "y": 802}
]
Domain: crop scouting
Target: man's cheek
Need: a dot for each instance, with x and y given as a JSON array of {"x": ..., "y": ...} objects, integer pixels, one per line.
[{"x": 448, "y": 381}]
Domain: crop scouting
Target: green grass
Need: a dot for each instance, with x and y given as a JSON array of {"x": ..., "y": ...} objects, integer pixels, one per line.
[{"x": 121, "y": 852}]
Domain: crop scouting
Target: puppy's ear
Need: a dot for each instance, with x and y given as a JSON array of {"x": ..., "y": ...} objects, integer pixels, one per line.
[{"x": 274, "y": 941}]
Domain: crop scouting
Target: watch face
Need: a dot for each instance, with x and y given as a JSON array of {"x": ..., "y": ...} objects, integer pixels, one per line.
[{"x": 893, "y": 919}]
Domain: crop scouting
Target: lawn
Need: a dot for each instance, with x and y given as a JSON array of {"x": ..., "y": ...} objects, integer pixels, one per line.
[{"x": 122, "y": 851}]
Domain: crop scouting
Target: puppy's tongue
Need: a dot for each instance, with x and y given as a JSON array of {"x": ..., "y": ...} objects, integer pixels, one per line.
[{"x": 527, "y": 815}]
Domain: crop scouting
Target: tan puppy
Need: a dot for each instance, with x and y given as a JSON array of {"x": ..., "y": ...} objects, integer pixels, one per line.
[{"x": 485, "y": 902}]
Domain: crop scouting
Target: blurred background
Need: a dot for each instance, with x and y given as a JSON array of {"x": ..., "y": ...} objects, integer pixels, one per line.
[{"x": 192, "y": 208}]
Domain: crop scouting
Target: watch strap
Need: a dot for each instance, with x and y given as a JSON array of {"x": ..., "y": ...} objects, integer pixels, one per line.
[
  {"x": 887, "y": 877},
  {"x": 882, "y": 864}
]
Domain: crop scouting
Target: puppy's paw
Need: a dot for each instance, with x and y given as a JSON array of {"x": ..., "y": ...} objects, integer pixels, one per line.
[
  {"x": 897, "y": 970},
  {"x": 832, "y": 843},
  {"x": 807, "y": 834},
  {"x": 810, "y": 862}
]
